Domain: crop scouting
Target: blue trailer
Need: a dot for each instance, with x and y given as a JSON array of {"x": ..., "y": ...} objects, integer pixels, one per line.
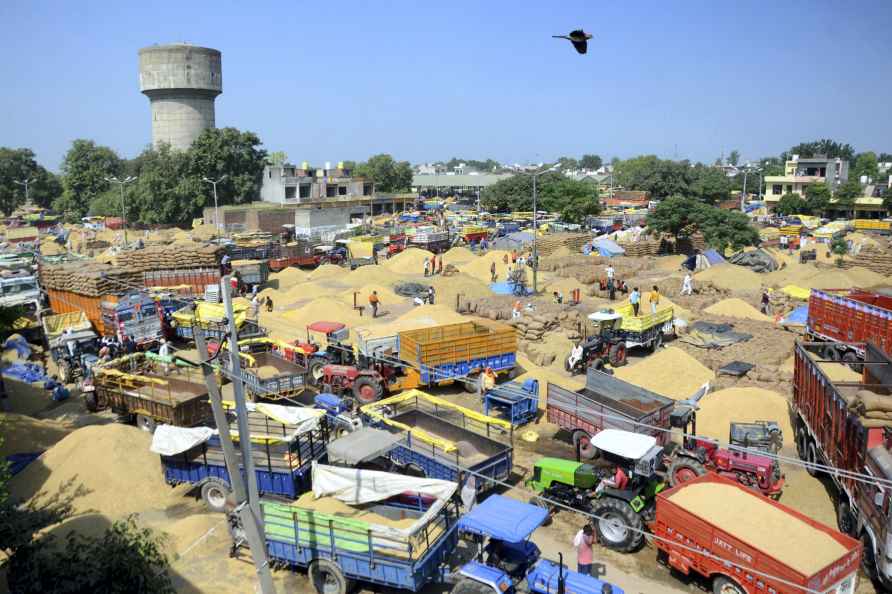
[
  {"x": 439, "y": 437},
  {"x": 341, "y": 544},
  {"x": 517, "y": 403},
  {"x": 283, "y": 455}
]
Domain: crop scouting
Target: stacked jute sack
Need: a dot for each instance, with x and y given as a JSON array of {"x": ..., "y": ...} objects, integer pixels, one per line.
[
  {"x": 174, "y": 257},
  {"x": 873, "y": 259},
  {"x": 875, "y": 409},
  {"x": 533, "y": 328},
  {"x": 92, "y": 279},
  {"x": 550, "y": 243}
]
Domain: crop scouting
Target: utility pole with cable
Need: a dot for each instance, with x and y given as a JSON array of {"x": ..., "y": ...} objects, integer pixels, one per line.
[
  {"x": 122, "y": 183},
  {"x": 216, "y": 208},
  {"x": 26, "y": 183},
  {"x": 535, "y": 175}
]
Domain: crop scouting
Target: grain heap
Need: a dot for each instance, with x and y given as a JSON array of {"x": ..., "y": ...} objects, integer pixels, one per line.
[
  {"x": 670, "y": 372},
  {"x": 459, "y": 255},
  {"x": 90, "y": 278},
  {"x": 874, "y": 259},
  {"x": 731, "y": 278},
  {"x": 177, "y": 257},
  {"x": 288, "y": 278},
  {"x": 718, "y": 409},
  {"x": 410, "y": 261},
  {"x": 23, "y": 434},
  {"x": 324, "y": 271},
  {"x": 736, "y": 308},
  {"x": 754, "y": 520}
]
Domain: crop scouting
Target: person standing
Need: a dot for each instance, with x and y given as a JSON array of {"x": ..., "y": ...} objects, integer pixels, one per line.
[
  {"x": 440, "y": 265},
  {"x": 583, "y": 543},
  {"x": 765, "y": 303},
  {"x": 374, "y": 302},
  {"x": 430, "y": 294},
  {"x": 687, "y": 285},
  {"x": 654, "y": 299},
  {"x": 492, "y": 272},
  {"x": 427, "y": 267},
  {"x": 469, "y": 493},
  {"x": 506, "y": 259},
  {"x": 635, "y": 300},
  {"x": 611, "y": 282},
  {"x": 434, "y": 264},
  {"x": 269, "y": 303}
]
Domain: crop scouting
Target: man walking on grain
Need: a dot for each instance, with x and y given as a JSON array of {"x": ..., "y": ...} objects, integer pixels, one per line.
[{"x": 373, "y": 302}]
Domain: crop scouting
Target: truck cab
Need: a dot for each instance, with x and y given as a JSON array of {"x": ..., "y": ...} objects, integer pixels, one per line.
[
  {"x": 19, "y": 290},
  {"x": 135, "y": 315}
]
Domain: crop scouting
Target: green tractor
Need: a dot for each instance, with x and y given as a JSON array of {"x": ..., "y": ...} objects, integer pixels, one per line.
[{"x": 622, "y": 513}]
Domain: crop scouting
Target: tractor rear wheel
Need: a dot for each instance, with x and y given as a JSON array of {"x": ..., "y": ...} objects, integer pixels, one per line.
[
  {"x": 684, "y": 469},
  {"x": 366, "y": 390},
  {"x": 327, "y": 577},
  {"x": 722, "y": 585},
  {"x": 91, "y": 401},
  {"x": 619, "y": 527},
  {"x": 146, "y": 423},
  {"x": 657, "y": 342},
  {"x": 216, "y": 493},
  {"x": 617, "y": 354}
]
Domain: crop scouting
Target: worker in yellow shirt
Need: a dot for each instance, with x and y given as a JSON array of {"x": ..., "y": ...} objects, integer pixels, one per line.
[{"x": 654, "y": 298}]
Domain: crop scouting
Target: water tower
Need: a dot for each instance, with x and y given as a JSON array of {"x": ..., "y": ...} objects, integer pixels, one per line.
[{"x": 181, "y": 82}]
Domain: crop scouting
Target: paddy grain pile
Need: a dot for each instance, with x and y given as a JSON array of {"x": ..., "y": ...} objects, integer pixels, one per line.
[
  {"x": 23, "y": 434},
  {"x": 324, "y": 271},
  {"x": 670, "y": 372},
  {"x": 480, "y": 268},
  {"x": 410, "y": 261},
  {"x": 752, "y": 519},
  {"x": 289, "y": 278},
  {"x": 730, "y": 277},
  {"x": 718, "y": 409},
  {"x": 736, "y": 308},
  {"x": 459, "y": 255}
]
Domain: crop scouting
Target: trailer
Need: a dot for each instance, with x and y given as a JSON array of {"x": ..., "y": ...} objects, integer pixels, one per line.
[
  {"x": 137, "y": 389},
  {"x": 135, "y": 315},
  {"x": 439, "y": 437},
  {"x": 844, "y": 320},
  {"x": 603, "y": 403},
  {"x": 515, "y": 402},
  {"x": 251, "y": 272},
  {"x": 841, "y": 424},
  {"x": 210, "y": 319},
  {"x": 752, "y": 544},
  {"x": 285, "y": 442},
  {"x": 269, "y": 368},
  {"x": 351, "y": 530}
]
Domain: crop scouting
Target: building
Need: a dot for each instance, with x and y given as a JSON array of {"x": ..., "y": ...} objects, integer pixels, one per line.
[
  {"x": 321, "y": 220},
  {"x": 290, "y": 184},
  {"x": 799, "y": 173},
  {"x": 449, "y": 184},
  {"x": 181, "y": 81}
]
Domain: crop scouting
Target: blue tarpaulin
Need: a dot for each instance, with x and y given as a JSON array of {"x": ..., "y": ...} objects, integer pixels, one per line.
[
  {"x": 506, "y": 288},
  {"x": 21, "y": 346},
  {"x": 26, "y": 372},
  {"x": 713, "y": 257},
  {"x": 797, "y": 317},
  {"x": 503, "y": 518},
  {"x": 609, "y": 248},
  {"x": 18, "y": 462}
]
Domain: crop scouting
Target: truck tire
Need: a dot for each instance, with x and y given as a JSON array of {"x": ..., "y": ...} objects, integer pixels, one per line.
[
  {"x": 146, "y": 423},
  {"x": 619, "y": 528},
  {"x": 844, "y": 518},
  {"x": 723, "y": 585},
  {"x": 91, "y": 402},
  {"x": 657, "y": 342},
  {"x": 617, "y": 354},
  {"x": 851, "y": 358},
  {"x": 684, "y": 469},
  {"x": 469, "y": 586},
  {"x": 216, "y": 494},
  {"x": 830, "y": 353},
  {"x": 868, "y": 557},
  {"x": 412, "y": 469},
  {"x": 802, "y": 443},
  {"x": 582, "y": 442},
  {"x": 327, "y": 577},
  {"x": 812, "y": 458},
  {"x": 366, "y": 390}
]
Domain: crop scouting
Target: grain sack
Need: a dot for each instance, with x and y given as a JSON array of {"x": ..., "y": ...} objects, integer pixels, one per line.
[{"x": 871, "y": 401}]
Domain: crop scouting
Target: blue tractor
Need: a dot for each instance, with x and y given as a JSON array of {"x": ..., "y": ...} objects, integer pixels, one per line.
[{"x": 508, "y": 562}]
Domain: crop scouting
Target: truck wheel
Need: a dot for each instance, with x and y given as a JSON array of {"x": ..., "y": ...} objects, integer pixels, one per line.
[
  {"x": 412, "y": 469},
  {"x": 853, "y": 361},
  {"x": 722, "y": 585},
  {"x": 812, "y": 458},
  {"x": 802, "y": 443},
  {"x": 657, "y": 342},
  {"x": 684, "y": 469},
  {"x": 844, "y": 518},
  {"x": 216, "y": 494},
  {"x": 868, "y": 558},
  {"x": 327, "y": 577},
  {"x": 619, "y": 528},
  {"x": 316, "y": 372},
  {"x": 830, "y": 353},
  {"x": 469, "y": 586},
  {"x": 366, "y": 390},
  {"x": 583, "y": 442},
  {"x": 91, "y": 402},
  {"x": 617, "y": 354},
  {"x": 146, "y": 423}
]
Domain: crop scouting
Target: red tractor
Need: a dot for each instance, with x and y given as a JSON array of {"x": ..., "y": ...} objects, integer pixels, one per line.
[
  {"x": 740, "y": 463},
  {"x": 326, "y": 344},
  {"x": 366, "y": 385}
]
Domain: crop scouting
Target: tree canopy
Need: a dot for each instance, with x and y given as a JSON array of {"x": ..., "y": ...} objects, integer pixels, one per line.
[
  {"x": 792, "y": 204},
  {"x": 389, "y": 175},
  {"x": 734, "y": 157},
  {"x": 865, "y": 164},
  {"x": 84, "y": 169},
  {"x": 230, "y": 152},
  {"x": 826, "y": 147},
  {"x": 817, "y": 197},
  {"x": 709, "y": 184},
  {"x": 19, "y": 165},
  {"x": 573, "y": 199},
  {"x": 485, "y": 166},
  {"x": 658, "y": 176},
  {"x": 590, "y": 162},
  {"x": 720, "y": 228}
]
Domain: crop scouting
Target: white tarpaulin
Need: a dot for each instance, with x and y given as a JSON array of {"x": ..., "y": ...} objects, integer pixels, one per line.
[
  {"x": 354, "y": 487},
  {"x": 302, "y": 418},
  {"x": 169, "y": 440}
]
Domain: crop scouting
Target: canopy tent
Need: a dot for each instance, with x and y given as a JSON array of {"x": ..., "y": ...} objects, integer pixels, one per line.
[
  {"x": 365, "y": 444},
  {"x": 503, "y": 518},
  {"x": 608, "y": 248}
]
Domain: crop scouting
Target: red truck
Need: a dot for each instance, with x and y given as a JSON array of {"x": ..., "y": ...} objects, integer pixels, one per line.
[
  {"x": 833, "y": 430},
  {"x": 704, "y": 524},
  {"x": 845, "y": 319}
]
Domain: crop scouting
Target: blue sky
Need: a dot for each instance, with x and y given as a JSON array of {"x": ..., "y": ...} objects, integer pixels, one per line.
[{"x": 431, "y": 80}]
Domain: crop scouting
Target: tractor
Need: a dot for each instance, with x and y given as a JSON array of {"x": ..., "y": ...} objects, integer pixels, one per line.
[
  {"x": 605, "y": 346},
  {"x": 326, "y": 344},
  {"x": 622, "y": 514}
]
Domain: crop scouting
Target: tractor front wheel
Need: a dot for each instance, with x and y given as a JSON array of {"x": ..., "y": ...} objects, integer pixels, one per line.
[
  {"x": 366, "y": 390},
  {"x": 619, "y": 527},
  {"x": 684, "y": 469},
  {"x": 617, "y": 354},
  {"x": 469, "y": 586}
]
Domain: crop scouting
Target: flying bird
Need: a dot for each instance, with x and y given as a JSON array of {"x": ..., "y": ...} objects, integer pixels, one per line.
[{"x": 578, "y": 38}]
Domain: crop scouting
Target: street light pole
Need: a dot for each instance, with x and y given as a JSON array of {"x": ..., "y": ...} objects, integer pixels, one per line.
[
  {"x": 121, "y": 183},
  {"x": 535, "y": 175},
  {"x": 216, "y": 209},
  {"x": 26, "y": 183}
]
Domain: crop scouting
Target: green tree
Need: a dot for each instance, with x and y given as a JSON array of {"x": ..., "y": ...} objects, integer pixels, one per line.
[
  {"x": 792, "y": 204},
  {"x": 885, "y": 158},
  {"x": 734, "y": 157},
  {"x": 590, "y": 162},
  {"x": 387, "y": 174},
  {"x": 848, "y": 191},
  {"x": 19, "y": 165},
  {"x": 230, "y": 152},
  {"x": 679, "y": 215},
  {"x": 709, "y": 184},
  {"x": 573, "y": 199},
  {"x": 772, "y": 166},
  {"x": 277, "y": 158},
  {"x": 817, "y": 197},
  {"x": 829, "y": 148},
  {"x": 84, "y": 169},
  {"x": 568, "y": 164},
  {"x": 865, "y": 164},
  {"x": 675, "y": 215},
  {"x": 657, "y": 176}
]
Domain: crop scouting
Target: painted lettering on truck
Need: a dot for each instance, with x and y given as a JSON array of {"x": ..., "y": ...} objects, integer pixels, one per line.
[
  {"x": 837, "y": 572},
  {"x": 732, "y": 549}
]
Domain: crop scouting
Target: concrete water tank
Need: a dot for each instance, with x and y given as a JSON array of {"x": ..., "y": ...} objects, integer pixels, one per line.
[{"x": 181, "y": 82}]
